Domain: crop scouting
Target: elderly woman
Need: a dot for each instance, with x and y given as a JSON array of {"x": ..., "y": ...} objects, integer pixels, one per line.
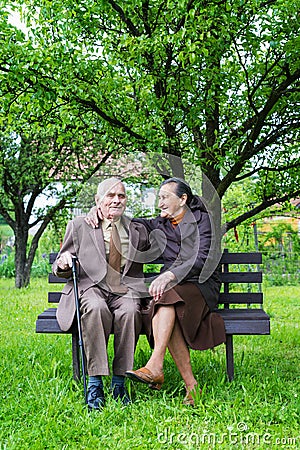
[{"x": 180, "y": 315}]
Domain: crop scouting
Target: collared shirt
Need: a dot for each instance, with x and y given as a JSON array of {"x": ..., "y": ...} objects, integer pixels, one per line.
[{"x": 106, "y": 228}]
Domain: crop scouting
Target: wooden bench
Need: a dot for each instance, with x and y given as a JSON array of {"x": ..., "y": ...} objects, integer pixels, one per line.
[{"x": 241, "y": 309}]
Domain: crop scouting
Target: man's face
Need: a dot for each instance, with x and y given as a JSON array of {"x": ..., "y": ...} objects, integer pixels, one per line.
[{"x": 113, "y": 204}]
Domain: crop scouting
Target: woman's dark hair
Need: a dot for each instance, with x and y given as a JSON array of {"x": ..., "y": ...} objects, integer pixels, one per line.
[{"x": 181, "y": 188}]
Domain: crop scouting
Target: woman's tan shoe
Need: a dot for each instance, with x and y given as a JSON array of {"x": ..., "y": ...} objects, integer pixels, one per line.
[
  {"x": 144, "y": 375},
  {"x": 189, "y": 399}
]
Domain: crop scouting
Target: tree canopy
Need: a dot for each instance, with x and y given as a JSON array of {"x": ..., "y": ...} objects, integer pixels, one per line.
[{"x": 214, "y": 83}]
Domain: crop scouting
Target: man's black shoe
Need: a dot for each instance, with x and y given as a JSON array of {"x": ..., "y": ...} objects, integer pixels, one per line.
[
  {"x": 95, "y": 397},
  {"x": 119, "y": 393}
]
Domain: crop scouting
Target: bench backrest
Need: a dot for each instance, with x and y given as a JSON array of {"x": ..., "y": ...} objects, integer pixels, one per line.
[{"x": 240, "y": 275}]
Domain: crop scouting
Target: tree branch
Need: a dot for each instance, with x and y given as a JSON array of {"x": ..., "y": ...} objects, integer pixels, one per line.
[
  {"x": 258, "y": 123},
  {"x": 268, "y": 169},
  {"x": 124, "y": 18},
  {"x": 258, "y": 119},
  {"x": 5, "y": 213},
  {"x": 114, "y": 122},
  {"x": 181, "y": 21},
  {"x": 258, "y": 209}
]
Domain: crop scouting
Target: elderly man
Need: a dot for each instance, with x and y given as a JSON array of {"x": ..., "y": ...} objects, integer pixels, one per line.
[{"x": 110, "y": 283}]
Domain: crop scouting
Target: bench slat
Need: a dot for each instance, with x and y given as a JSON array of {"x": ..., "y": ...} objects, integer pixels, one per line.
[
  {"x": 228, "y": 277},
  {"x": 245, "y": 321},
  {"x": 241, "y": 258},
  {"x": 227, "y": 258},
  {"x": 52, "y": 257},
  {"x": 54, "y": 279},
  {"x": 48, "y": 313},
  {"x": 47, "y": 322},
  {"x": 247, "y": 327},
  {"x": 237, "y": 321},
  {"x": 48, "y": 326},
  {"x": 241, "y": 297},
  {"x": 227, "y": 314},
  {"x": 241, "y": 277},
  {"x": 54, "y": 297},
  {"x": 232, "y": 298},
  {"x": 243, "y": 313}
]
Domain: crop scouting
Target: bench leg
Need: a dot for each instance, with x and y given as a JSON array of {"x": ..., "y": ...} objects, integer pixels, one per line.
[
  {"x": 75, "y": 356},
  {"x": 229, "y": 356}
]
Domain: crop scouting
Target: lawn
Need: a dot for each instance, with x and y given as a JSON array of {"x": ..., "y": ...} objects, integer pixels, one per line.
[{"x": 42, "y": 407}]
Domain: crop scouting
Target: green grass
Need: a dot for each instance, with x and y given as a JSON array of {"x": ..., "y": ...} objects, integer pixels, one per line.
[{"x": 42, "y": 407}]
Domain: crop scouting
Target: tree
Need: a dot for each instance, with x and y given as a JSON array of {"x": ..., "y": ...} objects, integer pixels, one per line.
[
  {"x": 40, "y": 178},
  {"x": 212, "y": 82},
  {"x": 207, "y": 80},
  {"x": 45, "y": 155}
]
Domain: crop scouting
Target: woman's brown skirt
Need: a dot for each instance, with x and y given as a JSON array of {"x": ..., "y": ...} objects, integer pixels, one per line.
[{"x": 201, "y": 328}]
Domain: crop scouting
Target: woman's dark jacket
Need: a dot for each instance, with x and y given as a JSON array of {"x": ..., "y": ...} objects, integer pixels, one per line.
[{"x": 190, "y": 250}]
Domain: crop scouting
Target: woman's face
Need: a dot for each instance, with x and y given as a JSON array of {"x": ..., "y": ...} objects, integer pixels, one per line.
[{"x": 168, "y": 202}]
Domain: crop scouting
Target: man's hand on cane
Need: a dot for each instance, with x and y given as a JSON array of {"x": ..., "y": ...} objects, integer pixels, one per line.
[{"x": 64, "y": 262}]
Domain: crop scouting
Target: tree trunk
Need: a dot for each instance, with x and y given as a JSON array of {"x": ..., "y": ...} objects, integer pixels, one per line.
[{"x": 22, "y": 269}]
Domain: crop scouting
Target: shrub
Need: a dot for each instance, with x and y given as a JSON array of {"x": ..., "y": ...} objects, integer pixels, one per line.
[{"x": 7, "y": 266}]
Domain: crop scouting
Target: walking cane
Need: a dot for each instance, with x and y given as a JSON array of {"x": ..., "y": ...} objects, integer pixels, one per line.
[{"x": 80, "y": 341}]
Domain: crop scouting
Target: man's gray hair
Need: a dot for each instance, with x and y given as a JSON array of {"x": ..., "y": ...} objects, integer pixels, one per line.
[{"x": 106, "y": 185}]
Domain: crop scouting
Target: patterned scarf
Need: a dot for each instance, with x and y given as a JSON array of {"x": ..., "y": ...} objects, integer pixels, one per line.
[{"x": 177, "y": 219}]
